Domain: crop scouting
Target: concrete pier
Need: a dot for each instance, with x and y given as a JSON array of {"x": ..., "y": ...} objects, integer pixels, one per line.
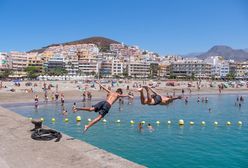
[{"x": 18, "y": 150}]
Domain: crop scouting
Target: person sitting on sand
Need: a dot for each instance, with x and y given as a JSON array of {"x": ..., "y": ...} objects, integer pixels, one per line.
[
  {"x": 103, "y": 107},
  {"x": 155, "y": 98}
]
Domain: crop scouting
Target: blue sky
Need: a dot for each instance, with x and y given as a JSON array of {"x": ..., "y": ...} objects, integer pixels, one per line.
[{"x": 163, "y": 26}]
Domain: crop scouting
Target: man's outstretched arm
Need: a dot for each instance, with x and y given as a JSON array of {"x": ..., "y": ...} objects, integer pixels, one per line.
[
  {"x": 126, "y": 96},
  {"x": 104, "y": 88}
]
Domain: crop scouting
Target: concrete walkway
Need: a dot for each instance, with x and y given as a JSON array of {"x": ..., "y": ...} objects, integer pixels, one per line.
[{"x": 18, "y": 150}]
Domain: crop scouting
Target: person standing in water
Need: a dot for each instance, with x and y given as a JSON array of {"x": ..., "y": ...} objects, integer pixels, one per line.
[{"x": 103, "y": 107}]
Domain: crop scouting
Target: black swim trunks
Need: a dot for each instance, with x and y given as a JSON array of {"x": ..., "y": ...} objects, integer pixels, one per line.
[
  {"x": 102, "y": 107},
  {"x": 157, "y": 99}
]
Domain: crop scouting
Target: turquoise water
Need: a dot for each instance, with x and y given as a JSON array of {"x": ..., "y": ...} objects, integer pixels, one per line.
[{"x": 166, "y": 146}]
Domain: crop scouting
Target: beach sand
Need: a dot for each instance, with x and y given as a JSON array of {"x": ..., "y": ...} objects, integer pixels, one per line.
[{"x": 72, "y": 92}]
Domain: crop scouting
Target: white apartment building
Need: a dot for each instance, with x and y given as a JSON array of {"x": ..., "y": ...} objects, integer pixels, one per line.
[
  {"x": 71, "y": 63},
  {"x": 139, "y": 69},
  {"x": 88, "y": 66},
  {"x": 117, "y": 67},
  {"x": 19, "y": 60},
  {"x": 187, "y": 68},
  {"x": 220, "y": 67}
]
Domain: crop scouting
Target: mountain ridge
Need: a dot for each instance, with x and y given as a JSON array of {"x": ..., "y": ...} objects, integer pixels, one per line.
[
  {"x": 226, "y": 52},
  {"x": 101, "y": 42}
]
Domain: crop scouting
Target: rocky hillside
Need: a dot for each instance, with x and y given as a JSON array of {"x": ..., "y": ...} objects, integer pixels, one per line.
[{"x": 102, "y": 42}]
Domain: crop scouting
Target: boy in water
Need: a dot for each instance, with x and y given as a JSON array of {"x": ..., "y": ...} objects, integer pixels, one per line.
[{"x": 103, "y": 107}]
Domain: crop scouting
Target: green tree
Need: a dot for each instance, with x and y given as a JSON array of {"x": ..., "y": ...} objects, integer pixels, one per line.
[
  {"x": 33, "y": 71},
  {"x": 230, "y": 76},
  {"x": 5, "y": 73},
  {"x": 59, "y": 71},
  {"x": 192, "y": 76}
]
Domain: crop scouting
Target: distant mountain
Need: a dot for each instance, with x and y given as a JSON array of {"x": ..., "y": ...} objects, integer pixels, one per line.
[
  {"x": 102, "y": 42},
  {"x": 226, "y": 52},
  {"x": 194, "y": 54}
]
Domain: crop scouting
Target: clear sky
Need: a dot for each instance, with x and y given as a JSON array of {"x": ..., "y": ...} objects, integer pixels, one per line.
[{"x": 163, "y": 26}]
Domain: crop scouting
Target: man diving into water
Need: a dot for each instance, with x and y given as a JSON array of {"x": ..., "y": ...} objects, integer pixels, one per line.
[
  {"x": 155, "y": 98},
  {"x": 103, "y": 107}
]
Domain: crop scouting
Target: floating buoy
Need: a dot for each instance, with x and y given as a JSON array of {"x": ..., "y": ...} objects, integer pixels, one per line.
[
  {"x": 118, "y": 121},
  {"x": 78, "y": 118},
  {"x": 89, "y": 119},
  {"x": 169, "y": 122},
  {"x": 42, "y": 119},
  {"x": 53, "y": 119},
  {"x": 240, "y": 123},
  {"x": 30, "y": 118},
  {"x": 228, "y": 123},
  {"x": 66, "y": 119},
  {"x": 181, "y": 122},
  {"x": 203, "y": 123},
  {"x": 132, "y": 122},
  {"x": 158, "y": 122},
  {"x": 191, "y": 123},
  {"x": 104, "y": 120},
  {"x": 216, "y": 123},
  {"x": 143, "y": 122}
]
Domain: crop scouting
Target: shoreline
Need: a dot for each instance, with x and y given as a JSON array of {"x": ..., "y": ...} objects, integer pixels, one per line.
[
  {"x": 72, "y": 153},
  {"x": 75, "y": 96}
]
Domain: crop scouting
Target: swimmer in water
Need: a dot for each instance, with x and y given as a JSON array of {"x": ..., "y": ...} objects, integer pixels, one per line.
[
  {"x": 74, "y": 107},
  {"x": 149, "y": 126}
]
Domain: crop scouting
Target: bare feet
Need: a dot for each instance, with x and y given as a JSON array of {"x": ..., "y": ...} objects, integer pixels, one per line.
[
  {"x": 140, "y": 89},
  {"x": 85, "y": 128}
]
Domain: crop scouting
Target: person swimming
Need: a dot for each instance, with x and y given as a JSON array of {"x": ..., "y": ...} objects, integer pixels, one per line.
[
  {"x": 150, "y": 127},
  {"x": 74, "y": 107}
]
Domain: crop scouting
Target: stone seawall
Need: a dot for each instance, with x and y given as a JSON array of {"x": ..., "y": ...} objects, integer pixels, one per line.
[{"x": 18, "y": 150}]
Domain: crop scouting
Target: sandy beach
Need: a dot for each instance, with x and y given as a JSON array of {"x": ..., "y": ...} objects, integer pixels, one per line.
[{"x": 73, "y": 91}]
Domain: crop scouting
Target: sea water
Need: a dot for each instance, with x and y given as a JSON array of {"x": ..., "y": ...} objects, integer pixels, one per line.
[{"x": 167, "y": 145}]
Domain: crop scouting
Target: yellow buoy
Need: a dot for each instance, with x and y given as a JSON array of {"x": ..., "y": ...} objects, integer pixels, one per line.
[
  {"x": 53, "y": 119},
  {"x": 203, "y": 123},
  {"x": 78, "y": 118},
  {"x": 216, "y": 123},
  {"x": 143, "y": 122},
  {"x": 191, "y": 123},
  {"x": 118, "y": 121},
  {"x": 66, "y": 119},
  {"x": 181, "y": 122},
  {"x": 42, "y": 119},
  {"x": 104, "y": 120},
  {"x": 228, "y": 123},
  {"x": 158, "y": 122},
  {"x": 132, "y": 122},
  {"x": 169, "y": 122},
  {"x": 89, "y": 119},
  {"x": 240, "y": 123}
]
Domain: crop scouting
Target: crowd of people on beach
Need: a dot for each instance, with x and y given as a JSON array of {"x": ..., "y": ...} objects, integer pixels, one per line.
[{"x": 152, "y": 98}]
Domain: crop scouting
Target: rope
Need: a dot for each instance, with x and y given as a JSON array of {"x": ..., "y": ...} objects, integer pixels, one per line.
[{"x": 46, "y": 135}]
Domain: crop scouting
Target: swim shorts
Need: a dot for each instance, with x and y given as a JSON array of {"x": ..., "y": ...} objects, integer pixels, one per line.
[{"x": 102, "y": 107}]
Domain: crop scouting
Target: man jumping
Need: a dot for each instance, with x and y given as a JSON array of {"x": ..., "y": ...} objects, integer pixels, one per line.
[
  {"x": 103, "y": 107},
  {"x": 155, "y": 98}
]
